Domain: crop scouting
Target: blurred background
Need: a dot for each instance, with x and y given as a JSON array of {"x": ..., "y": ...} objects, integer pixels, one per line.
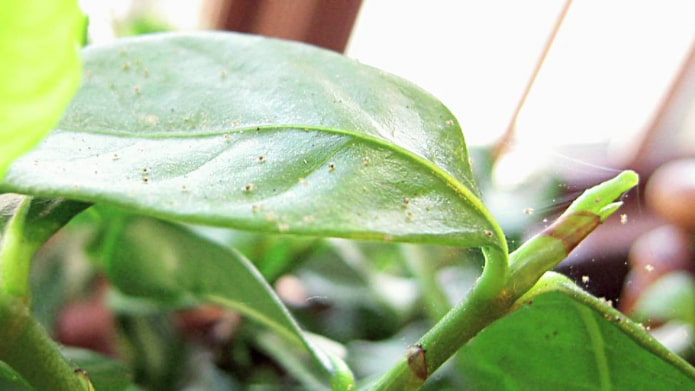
[{"x": 553, "y": 97}]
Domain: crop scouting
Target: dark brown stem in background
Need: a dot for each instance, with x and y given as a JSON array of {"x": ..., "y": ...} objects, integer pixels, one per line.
[
  {"x": 322, "y": 23},
  {"x": 657, "y": 145},
  {"x": 503, "y": 144}
]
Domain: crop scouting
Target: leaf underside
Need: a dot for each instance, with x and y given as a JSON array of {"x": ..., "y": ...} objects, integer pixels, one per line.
[
  {"x": 165, "y": 262},
  {"x": 260, "y": 134}
]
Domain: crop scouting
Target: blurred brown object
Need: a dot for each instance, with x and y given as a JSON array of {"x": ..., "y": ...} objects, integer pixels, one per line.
[
  {"x": 671, "y": 193},
  {"x": 655, "y": 254},
  {"x": 89, "y": 323},
  {"x": 322, "y": 23},
  {"x": 666, "y": 156},
  {"x": 208, "y": 324}
]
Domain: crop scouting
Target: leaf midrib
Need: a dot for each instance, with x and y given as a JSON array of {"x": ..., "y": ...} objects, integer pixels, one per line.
[{"x": 453, "y": 183}]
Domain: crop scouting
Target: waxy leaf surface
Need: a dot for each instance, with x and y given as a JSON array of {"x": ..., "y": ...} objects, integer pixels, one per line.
[
  {"x": 261, "y": 134},
  {"x": 565, "y": 339}
]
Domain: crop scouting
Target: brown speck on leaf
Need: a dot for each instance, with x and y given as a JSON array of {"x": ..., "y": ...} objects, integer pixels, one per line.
[
  {"x": 249, "y": 187},
  {"x": 145, "y": 180},
  {"x": 137, "y": 90},
  {"x": 488, "y": 233},
  {"x": 450, "y": 122},
  {"x": 261, "y": 159},
  {"x": 528, "y": 211},
  {"x": 405, "y": 202},
  {"x": 331, "y": 166},
  {"x": 409, "y": 216}
]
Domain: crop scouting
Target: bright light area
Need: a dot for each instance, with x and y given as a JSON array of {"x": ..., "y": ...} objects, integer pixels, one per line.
[
  {"x": 605, "y": 75},
  {"x": 610, "y": 66}
]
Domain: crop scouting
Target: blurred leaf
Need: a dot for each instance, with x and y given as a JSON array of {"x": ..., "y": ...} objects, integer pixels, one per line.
[
  {"x": 106, "y": 374},
  {"x": 166, "y": 262},
  {"x": 671, "y": 297},
  {"x": 44, "y": 216},
  {"x": 154, "y": 349},
  {"x": 565, "y": 339},
  {"x": 11, "y": 380},
  {"x": 273, "y": 254},
  {"x": 261, "y": 134},
  {"x": 40, "y": 70}
]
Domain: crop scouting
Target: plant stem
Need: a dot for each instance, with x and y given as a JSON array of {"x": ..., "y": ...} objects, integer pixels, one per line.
[
  {"x": 503, "y": 144},
  {"x": 27, "y": 348},
  {"x": 16, "y": 253},
  {"x": 481, "y": 307},
  {"x": 499, "y": 287},
  {"x": 459, "y": 325}
]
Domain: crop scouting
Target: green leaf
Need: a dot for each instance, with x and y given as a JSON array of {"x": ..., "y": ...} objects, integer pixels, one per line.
[
  {"x": 105, "y": 374},
  {"x": 11, "y": 380},
  {"x": 261, "y": 134},
  {"x": 166, "y": 262},
  {"x": 670, "y": 297},
  {"x": 40, "y": 68},
  {"x": 565, "y": 339}
]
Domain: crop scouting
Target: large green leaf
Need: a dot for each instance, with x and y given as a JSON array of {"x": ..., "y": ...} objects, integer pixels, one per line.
[
  {"x": 565, "y": 339},
  {"x": 39, "y": 71},
  {"x": 162, "y": 261},
  {"x": 261, "y": 134}
]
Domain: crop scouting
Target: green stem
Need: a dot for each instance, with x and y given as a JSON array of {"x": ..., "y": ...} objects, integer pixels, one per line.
[
  {"x": 544, "y": 251},
  {"x": 501, "y": 285},
  {"x": 480, "y": 308},
  {"x": 26, "y": 347},
  {"x": 16, "y": 253}
]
